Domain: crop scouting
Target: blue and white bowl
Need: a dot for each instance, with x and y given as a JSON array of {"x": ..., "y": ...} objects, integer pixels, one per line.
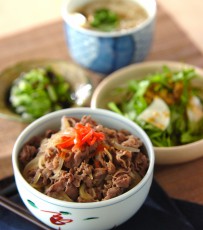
[
  {"x": 105, "y": 52},
  {"x": 86, "y": 216}
]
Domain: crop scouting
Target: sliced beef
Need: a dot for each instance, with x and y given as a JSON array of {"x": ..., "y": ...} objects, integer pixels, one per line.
[
  {"x": 27, "y": 154},
  {"x": 92, "y": 172}
]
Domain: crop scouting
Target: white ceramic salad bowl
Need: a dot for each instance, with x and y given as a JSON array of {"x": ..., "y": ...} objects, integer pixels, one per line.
[{"x": 105, "y": 93}]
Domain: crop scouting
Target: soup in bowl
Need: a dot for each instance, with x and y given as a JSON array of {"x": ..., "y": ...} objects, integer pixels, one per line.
[
  {"x": 107, "y": 35},
  {"x": 109, "y": 15}
]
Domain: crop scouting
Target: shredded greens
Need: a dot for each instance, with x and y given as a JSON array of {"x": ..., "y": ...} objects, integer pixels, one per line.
[
  {"x": 105, "y": 20},
  {"x": 176, "y": 90},
  {"x": 39, "y": 92}
]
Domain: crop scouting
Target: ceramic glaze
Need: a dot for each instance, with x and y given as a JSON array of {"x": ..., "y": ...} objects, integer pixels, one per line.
[{"x": 105, "y": 52}]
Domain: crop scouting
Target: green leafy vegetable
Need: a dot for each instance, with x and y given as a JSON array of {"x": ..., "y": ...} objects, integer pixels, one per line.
[
  {"x": 176, "y": 90},
  {"x": 105, "y": 20},
  {"x": 39, "y": 92}
]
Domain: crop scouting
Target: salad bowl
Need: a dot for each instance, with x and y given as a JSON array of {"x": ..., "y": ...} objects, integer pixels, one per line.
[
  {"x": 78, "y": 79},
  {"x": 109, "y": 94}
]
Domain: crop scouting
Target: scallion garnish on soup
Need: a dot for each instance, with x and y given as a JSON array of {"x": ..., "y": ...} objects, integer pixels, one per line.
[{"x": 104, "y": 19}]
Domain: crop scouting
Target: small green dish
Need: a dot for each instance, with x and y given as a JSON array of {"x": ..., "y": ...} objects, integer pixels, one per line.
[{"x": 78, "y": 78}]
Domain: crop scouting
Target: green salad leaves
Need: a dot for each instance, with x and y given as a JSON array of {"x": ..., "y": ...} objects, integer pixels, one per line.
[
  {"x": 38, "y": 92},
  {"x": 182, "y": 99}
]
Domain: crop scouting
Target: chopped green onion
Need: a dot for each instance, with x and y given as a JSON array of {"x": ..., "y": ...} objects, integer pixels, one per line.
[
  {"x": 105, "y": 20},
  {"x": 39, "y": 92}
]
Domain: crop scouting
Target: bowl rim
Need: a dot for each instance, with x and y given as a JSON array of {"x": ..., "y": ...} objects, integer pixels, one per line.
[
  {"x": 141, "y": 65},
  {"x": 96, "y": 33},
  {"x": 149, "y": 64},
  {"x": 76, "y": 205},
  {"x": 179, "y": 147}
]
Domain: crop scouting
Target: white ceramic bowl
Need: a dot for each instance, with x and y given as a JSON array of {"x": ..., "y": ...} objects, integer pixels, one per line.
[
  {"x": 86, "y": 216},
  {"x": 105, "y": 52},
  {"x": 103, "y": 94}
]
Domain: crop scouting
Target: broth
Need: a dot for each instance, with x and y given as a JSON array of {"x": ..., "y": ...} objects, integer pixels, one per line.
[{"x": 123, "y": 14}]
